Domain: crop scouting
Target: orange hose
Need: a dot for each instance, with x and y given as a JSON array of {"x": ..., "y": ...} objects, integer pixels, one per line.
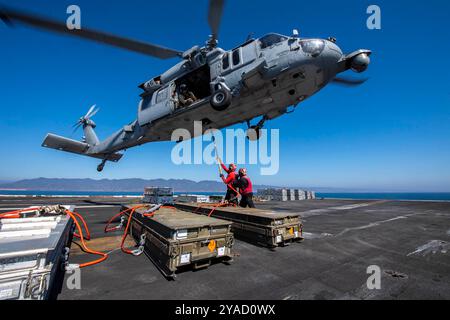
[
  {"x": 103, "y": 255},
  {"x": 113, "y": 218},
  {"x": 206, "y": 204},
  {"x": 16, "y": 213},
  {"x": 201, "y": 205},
  {"x": 147, "y": 215},
  {"x": 221, "y": 204},
  {"x": 73, "y": 216},
  {"x": 232, "y": 188},
  {"x": 12, "y": 216},
  {"x": 88, "y": 234},
  {"x": 119, "y": 214},
  {"x": 125, "y": 234}
]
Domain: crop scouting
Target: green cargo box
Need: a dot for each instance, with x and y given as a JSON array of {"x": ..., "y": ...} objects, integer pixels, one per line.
[
  {"x": 175, "y": 239},
  {"x": 262, "y": 227}
]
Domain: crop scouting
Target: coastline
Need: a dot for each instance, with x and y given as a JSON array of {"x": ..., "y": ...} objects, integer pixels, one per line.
[{"x": 394, "y": 196}]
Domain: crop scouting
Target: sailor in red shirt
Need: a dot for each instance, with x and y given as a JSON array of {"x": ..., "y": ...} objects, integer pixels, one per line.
[
  {"x": 245, "y": 189},
  {"x": 231, "y": 195}
]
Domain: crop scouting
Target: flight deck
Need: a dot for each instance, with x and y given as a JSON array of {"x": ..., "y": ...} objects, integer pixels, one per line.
[{"x": 408, "y": 240}]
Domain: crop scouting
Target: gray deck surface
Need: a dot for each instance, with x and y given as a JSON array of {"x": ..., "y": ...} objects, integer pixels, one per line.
[{"x": 408, "y": 240}]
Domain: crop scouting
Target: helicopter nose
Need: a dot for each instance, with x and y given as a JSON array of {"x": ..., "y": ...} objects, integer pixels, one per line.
[
  {"x": 331, "y": 56},
  {"x": 332, "y": 52}
]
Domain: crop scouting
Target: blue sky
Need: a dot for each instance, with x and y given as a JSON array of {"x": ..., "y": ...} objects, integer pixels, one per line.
[{"x": 390, "y": 134}]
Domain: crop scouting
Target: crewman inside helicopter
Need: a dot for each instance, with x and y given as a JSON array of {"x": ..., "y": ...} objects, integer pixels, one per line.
[{"x": 185, "y": 96}]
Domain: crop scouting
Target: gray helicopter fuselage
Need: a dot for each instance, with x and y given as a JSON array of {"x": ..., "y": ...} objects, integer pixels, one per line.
[
  {"x": 265, "y": 77},
  {"x": 260, "y": 78}
]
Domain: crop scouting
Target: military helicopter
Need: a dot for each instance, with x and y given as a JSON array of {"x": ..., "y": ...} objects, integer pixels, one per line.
[{"x": 264, "y": 77}]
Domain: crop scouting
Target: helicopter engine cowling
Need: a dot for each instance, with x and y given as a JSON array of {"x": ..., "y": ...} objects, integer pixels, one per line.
[
  {"x": 151, "y": 86},
  {"x": 198, "y": 60},
  {"x": 176, "y": 71}
]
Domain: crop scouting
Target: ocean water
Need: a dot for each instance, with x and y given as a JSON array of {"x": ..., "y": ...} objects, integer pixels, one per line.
[
  {"x": 430, "y": 196},
  {"x": 85, "y": 193}
]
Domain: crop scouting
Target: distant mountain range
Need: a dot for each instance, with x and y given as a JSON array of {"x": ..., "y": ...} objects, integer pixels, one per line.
[
  {"x": 115, "y": 185},
  {"x": 138, "y": 185}
]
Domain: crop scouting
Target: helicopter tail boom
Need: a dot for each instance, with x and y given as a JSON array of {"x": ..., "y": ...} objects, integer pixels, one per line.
[{"x": 53, "y": 141}]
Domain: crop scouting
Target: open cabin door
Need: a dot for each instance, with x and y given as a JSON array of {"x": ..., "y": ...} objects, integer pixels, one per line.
[{"x": 157, "y": 105}]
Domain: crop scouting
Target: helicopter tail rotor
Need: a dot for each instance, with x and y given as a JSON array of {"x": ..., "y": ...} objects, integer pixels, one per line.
[
  {"x": 86, "y": 119},
  {"x": 86, "y": 146}
]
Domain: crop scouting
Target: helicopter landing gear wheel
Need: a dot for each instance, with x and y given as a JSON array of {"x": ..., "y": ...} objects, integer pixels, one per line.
[
  {"x": 101, "y": 166},
  {"x": 254, "y": 133},
  {"x": 220, "y": 100}
]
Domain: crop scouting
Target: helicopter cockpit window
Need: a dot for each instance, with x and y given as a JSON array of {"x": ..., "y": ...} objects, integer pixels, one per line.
[
  {"x": 225, "y": 61},
  {"x": 313, "y": 47},
  {"x": 271, "y": 39}
]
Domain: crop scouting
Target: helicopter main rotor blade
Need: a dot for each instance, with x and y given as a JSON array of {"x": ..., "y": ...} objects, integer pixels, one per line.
[
  {"x": 9, "y": 16},
  {"x": 94, "y": 113},
  {"x": 76, "y": 127},
  {"x": 214, "y": 16},
  {"x": 76, "y": 124},
  {"x": 88, "y": 114},
  {"x": 349, "y": 81}
]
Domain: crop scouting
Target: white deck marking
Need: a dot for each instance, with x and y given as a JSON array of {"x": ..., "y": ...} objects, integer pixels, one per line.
[
  {"x": 309, "y": 235},
  {"x": 315, "y": 212},
  {"x": 434, "y": 246},
  {"x": 377, "y": 223}
]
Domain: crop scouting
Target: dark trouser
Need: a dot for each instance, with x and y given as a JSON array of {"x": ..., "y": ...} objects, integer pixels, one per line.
[
  {"x": 247, "y": 201},
  {"x": 231, "y": 196}
]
